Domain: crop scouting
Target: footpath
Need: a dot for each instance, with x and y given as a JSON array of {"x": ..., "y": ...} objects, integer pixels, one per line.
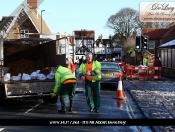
[{"x": 155, "y": 99}]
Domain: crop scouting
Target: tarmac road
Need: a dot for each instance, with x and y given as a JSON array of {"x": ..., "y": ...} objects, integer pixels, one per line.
[{"x": 110, "y": 108}]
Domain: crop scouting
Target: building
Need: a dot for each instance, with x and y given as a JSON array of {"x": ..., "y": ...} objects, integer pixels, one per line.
[
  {"x": 161, "y": 44},
  {"x": 156, "y": 37},
  {"x": 28, "y": 29},
  {"x": 104, "y": 50},
  {"x": 83, "y": 43},
  {"x": 167, "y": 53}
]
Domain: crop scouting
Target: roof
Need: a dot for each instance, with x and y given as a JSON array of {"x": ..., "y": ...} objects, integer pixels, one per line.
[
  {"x": 90, "y": 34},
  {"x": 170, "y": 29},
  {"x": 4, "y": 21},
  {"x": 7, "y": 22},
  {"x": 167, "y": 44},
  {"x": 154, "y": 33},
  {"x": 157, "y": 33}
]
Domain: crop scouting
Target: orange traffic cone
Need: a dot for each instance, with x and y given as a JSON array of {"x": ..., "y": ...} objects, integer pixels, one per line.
[
  {"x": 119, "y": 93},
  {"x": 119, "y": 103}
]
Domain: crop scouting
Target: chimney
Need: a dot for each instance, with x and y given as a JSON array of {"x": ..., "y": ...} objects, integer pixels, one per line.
[{"x": 33, "y": 3}]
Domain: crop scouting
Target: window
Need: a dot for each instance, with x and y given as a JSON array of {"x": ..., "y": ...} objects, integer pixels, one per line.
[
  {"x": 169, "y": 58},
  {"x": 163, "y": 58},
  {"x": 151, "y": 45},
  {"x": 110, "y": 66},
  {"x": 173, "y": 61},
  {"x": 165, "y": 55},
  {"x": 23, "y": 35}
]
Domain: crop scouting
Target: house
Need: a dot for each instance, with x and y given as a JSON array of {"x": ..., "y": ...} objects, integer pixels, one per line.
[
  {"x": 167, "y": 53},
  {"x": 24, "y": 27},
  {"x": 26, "y": 30},
  {"x": 104, "y": 50},
  {"x": 161, "y": 44},
  {"x": 83, "y": 43},
  {"x": 27, "y": 20},
  {"x": 156, "y": 37}
]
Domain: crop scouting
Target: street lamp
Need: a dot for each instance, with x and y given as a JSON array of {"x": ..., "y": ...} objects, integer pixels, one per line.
[
  {"x": 41, "y": 19},
  {"x": 73, "y": 44}
]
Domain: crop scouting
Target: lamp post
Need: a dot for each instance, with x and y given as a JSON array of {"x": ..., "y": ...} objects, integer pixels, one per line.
[
  {"x": 41, "y": 20},
  {"x": 73, "y": 44}
]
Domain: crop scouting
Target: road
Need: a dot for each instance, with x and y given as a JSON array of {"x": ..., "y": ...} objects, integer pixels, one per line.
[{"x": 110, "y": 108}]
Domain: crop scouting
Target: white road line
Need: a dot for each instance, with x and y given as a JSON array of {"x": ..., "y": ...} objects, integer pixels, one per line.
[
  {"x": 1, "y": 129},
  {"x": 131, "y": 113},
  {"x": 33, "y": 107}
]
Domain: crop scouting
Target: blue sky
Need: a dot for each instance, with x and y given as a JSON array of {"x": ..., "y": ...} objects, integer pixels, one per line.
[{"x": 69, "y": 15}]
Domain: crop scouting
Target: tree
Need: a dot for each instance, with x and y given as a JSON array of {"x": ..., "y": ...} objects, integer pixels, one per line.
[
  {"x": 123, "y": 23},
  {"x": 126, "y": 22},
  {"x": 129, "y": 46}
]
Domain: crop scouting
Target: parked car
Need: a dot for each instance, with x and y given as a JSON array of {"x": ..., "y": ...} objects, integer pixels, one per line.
[{"x": 109, "y": 71}]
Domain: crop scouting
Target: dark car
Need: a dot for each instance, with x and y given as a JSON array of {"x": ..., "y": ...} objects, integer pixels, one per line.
[{"x": 109, "y": 71}]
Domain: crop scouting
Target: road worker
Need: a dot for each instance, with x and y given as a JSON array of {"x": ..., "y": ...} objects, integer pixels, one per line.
[
  {"x": 65, "y": 81},
  {"x": 90, "y": 73},
  {"x": 145, "y": 61},
  {"x": 157, "y": 63},
  {"x": 71, "y": 65}
]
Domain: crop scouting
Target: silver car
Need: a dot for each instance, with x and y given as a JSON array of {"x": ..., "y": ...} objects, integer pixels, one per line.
[{"x": 109, "y": 71}]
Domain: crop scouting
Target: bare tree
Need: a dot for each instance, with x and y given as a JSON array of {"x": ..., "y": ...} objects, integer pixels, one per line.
[
  {"x": 126, "y": 22},
  {"x": 129, "y": 45},
  {"x": 123, "y": 23}
]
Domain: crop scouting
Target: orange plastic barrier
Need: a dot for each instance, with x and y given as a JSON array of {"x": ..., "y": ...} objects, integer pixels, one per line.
[
  {"x": 156, "y": 73},
  {"x": 121, "y": 64},
  {"x": 142, "y": 72},
  {"x": 130, "y": 72}
]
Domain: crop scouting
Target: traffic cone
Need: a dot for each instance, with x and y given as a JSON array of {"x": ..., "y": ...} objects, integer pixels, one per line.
[
  {"x": 119, "y": 93},
  {"x": 119, "y": 103}
]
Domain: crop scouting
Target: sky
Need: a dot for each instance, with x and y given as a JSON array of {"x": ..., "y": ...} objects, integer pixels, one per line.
[{"x": 69, "y": 15}]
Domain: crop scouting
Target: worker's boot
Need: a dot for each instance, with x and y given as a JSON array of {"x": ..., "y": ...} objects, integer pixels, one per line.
[
  {"x": 71, "y": 106},
  {"x": 63, "y": 107}
]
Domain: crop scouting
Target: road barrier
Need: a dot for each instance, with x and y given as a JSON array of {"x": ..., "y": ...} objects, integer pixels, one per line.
[
  {"x": 140, "y": 72},
  {"x": 157, "y": 73},
  {"x": 121, "y": 64}
]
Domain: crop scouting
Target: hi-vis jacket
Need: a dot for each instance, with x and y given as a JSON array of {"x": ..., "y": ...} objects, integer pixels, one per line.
[
  {"x": 145, "y": 61},
  {"x": 62, "y": 74},
  {"x": 96, "y": 68}
]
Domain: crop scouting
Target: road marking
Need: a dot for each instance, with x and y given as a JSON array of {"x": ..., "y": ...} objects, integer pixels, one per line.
[
  {"x": 33, "y": 107},
  {"x": 1, "y": 129}
]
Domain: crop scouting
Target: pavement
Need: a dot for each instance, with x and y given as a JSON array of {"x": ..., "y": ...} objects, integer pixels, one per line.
[{"x": 155, "y": 99}]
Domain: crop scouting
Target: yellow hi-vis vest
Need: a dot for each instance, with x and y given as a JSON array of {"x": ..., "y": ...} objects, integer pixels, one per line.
[
  {"x": 62, "y": 74},
  {"x": 96, "y": 66}
]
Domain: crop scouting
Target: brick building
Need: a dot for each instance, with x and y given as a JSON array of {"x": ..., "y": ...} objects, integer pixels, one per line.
[
  {"x": 162, "y": 44},
  {"x": 156, "y": 37}
]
